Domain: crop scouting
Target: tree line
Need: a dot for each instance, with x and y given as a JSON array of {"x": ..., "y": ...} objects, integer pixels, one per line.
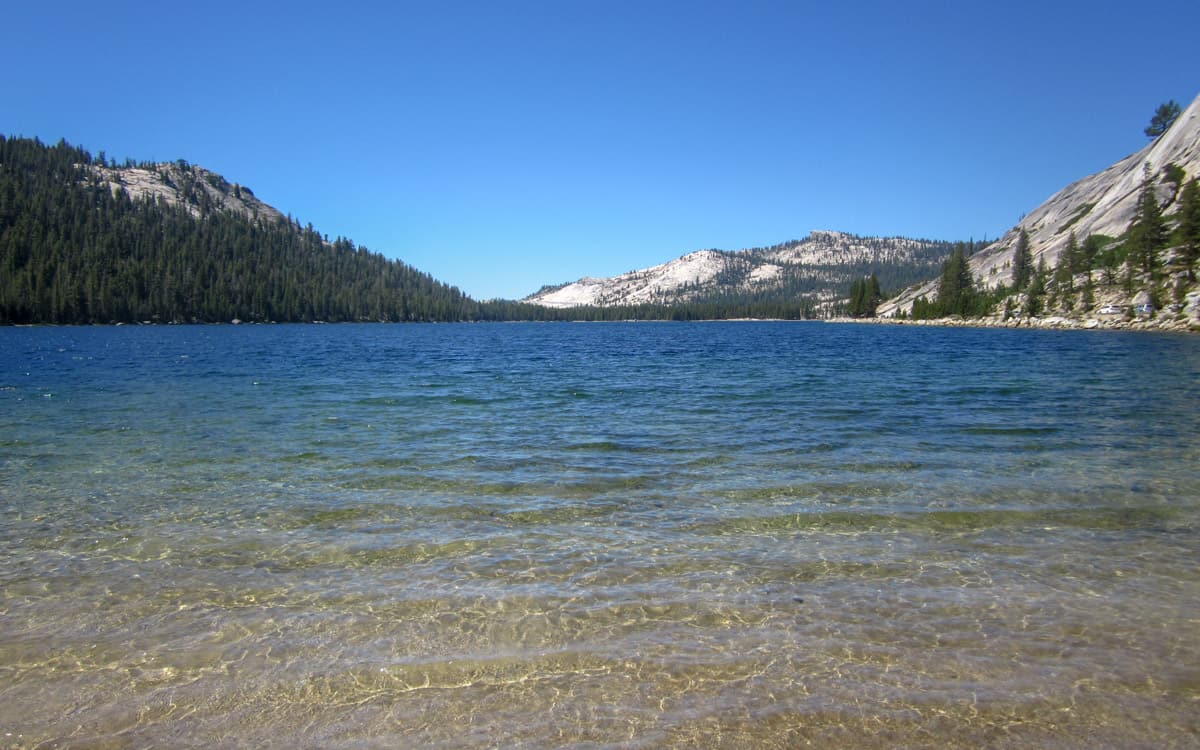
[{"x": 74, "y": 250}]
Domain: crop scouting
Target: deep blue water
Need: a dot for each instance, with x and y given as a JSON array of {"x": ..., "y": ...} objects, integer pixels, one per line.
[{"x": 593, "y": 535}]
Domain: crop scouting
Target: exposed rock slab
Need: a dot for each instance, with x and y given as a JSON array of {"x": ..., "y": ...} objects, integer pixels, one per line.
[{"x": 1102, "y": 203}]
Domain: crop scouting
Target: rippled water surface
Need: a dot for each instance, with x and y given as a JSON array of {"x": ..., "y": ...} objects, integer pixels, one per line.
[{"x": 572, "y": 535}]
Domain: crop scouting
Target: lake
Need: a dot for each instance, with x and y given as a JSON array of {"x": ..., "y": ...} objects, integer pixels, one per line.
[{"x": 749, "y": 534}]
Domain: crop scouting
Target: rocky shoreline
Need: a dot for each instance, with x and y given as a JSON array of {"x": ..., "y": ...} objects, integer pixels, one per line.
[{"x": 1164, "y": 323}]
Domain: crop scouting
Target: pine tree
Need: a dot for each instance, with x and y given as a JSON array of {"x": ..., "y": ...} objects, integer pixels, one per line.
[
  {"x": 956, "y": 288},
  {"x": 865, "y": 297},
  {"x": 1034, "y": 301},
  {"x": 1022, "y": 262},
  {"x": 1188, "y": 233},
  {"x": 1087, "y": 298},
  {"x": 1064, "y": 277},
  {"x": 1148, "y": 231},
  {"x": 856, "y": 297},
  {"x": 1091, "y": 249},
  {"x": 1073, "y": 256},
  {"x": 1163, "y": 118}
]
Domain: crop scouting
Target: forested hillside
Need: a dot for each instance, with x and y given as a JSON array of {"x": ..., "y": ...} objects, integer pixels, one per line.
[
  {"x": 75, "y": 250},
  {"x": 84, "y": 240}
]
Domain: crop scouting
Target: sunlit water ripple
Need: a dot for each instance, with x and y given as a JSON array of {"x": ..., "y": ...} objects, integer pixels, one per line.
[{"x": 625, "y": 535}]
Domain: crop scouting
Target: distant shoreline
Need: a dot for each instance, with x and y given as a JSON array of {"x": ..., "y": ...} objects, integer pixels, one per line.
[
  {"x": 1107, "y": 323},
  {"x": 1052, "y": 322}
]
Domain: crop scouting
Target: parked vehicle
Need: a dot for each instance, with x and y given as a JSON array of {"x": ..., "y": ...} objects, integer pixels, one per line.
[
  {"x": 1145, "y": 308},
  {"x": 1112, "y": 310}
]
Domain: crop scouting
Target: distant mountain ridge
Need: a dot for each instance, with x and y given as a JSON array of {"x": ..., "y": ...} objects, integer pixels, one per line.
[
  {"x": 819, "y": 268},
  {"x": 1103, "y": 203}
]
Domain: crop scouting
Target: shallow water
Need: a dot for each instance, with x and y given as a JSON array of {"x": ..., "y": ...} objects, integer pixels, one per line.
[{"x": 594, "y": 535}]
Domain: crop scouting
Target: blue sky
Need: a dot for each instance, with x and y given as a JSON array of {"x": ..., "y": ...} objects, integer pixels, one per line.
[{"x": 505, "y": 145}]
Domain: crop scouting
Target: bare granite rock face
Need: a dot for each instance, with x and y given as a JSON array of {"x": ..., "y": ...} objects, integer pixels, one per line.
[
  {"x": 182, "y": 184},
  {"x": 1102, "y": 203},
  {"x": 821, "y": 267}
]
